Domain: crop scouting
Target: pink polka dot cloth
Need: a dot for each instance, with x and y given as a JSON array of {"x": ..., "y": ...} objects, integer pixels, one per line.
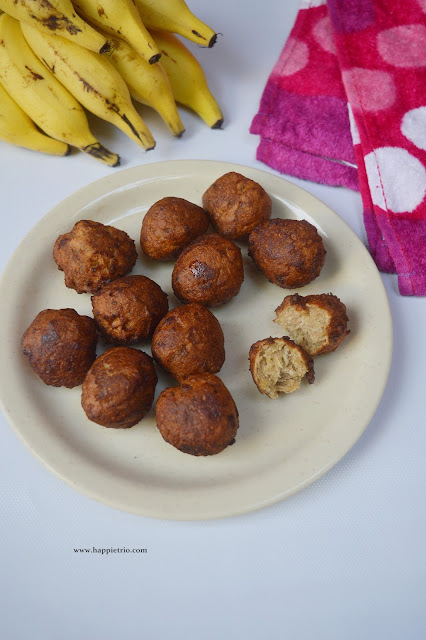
[{"x": 345, "y": 105}]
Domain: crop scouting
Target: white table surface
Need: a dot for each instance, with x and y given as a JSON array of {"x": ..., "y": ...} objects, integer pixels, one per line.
[{"x": 344, "y": 558}]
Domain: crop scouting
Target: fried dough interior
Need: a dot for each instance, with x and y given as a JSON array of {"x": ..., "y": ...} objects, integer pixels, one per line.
[
  {"x": 307, "y": 327},
  {"x": 279, "y": 369}
]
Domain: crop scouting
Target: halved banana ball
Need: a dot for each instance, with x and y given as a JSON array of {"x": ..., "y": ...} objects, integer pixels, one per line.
[
  {"x": 318, "y": 322},
  {"x": 278, "y": 365}
]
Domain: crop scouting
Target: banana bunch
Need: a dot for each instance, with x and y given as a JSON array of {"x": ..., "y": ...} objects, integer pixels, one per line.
[{"x": 61, "y": 58}]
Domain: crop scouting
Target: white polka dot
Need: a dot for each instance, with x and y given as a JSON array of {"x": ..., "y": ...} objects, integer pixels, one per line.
[
  {"x": 413, "y": 127},
  {"x": 323, "y": 34},
  {"x": 397, "y": 180},
  {"x": 403, "y": 46},
  {"x": 370, "y": 89},
  {"x": 353, "y": 127},
  {"x": 298, "y": 53},
  {"x": 307, "y": 4}
]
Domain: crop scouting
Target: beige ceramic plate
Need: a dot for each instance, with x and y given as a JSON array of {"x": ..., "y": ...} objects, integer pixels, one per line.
[{"x": 282, "y": 445}]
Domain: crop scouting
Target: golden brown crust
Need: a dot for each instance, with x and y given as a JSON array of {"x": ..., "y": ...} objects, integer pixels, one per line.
[
  {"x": 236, "y": 205},
  {"x": 290, "y": 253},
  {"x": 199, "y": 417},
  {"x": 128, "y": 310},
  {"x": 337, "y": 327},
  {"x": 60, "y": 346},
  {"x": 258, "y": 349},
  {"x": 189, "y": 340},
  {"x": 119, "y": 388},
  {"x": 209, "y": 271},
  {"x": 169, "y": 226},
  {"x": 93, "y": 254}
]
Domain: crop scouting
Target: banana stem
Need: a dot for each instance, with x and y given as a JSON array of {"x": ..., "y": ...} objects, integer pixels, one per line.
[
  {"x": 98, "y": 151},
  {"x": 205, "y": 105},
  {"x": 171, "y": 118}
]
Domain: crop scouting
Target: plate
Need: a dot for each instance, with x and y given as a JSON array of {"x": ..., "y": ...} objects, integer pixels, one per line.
[{"x": 282, "y": 445}]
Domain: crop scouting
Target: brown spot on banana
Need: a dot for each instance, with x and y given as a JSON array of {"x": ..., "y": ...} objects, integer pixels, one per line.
[
  {"x": 113, "y": 107},
  {"x": 59, "y": 24},
  {"x": 45, "y": 4},
  {"x": 168, "y": 56},
  {"x": 87, "y": 87},
  {"x": 34, "y": 74},
  {"x": 51, "y": 68}
]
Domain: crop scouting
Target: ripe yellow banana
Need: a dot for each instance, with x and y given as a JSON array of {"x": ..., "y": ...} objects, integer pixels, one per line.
[
  {"x": 189, "y": 84},
  {"x": 122, "y": 19},
  {"x": 92, "y": 80},
  {"x": 41, "y": 96},
  {"x": 148, "y": 84},
  {"x": 174, "y": 16},
  {"x": 56, "y": 16},
  {"x": 17, "y": 128}
]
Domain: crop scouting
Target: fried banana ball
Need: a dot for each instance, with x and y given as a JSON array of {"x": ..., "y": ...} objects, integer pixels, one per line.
[
  {"x": 199, "y": 417},
  {"x": 209, "y": 271},
  {"x": 290, "y": 253},
  {"x": 278, "y": 365},
  {"x": 60, "y": 346},
  {"x": 169, "y": 226},
  {"x": 128, "y": 310},
  {"x": 93, "y": 254},
  {"x": 318, "y": 322},
  {"x": 236, "y": 205},
  {"x": 189, "y": 340},
  {"x": 119, "y": 388}
]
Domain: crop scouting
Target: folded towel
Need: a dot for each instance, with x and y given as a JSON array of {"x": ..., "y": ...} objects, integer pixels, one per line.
[{"x": 345, "y": 105}]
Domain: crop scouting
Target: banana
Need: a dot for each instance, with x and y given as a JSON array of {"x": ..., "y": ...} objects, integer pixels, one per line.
[
  {"x": 189, "y": 84},
  {"x": 122, "y": 19},
  {"x": 41, "y": 96},
  {"x": 92, "y": 80},
  {"x": 148, "y": 84},
  {"x": 56, "y": 16},
  {"x": 174, "y": 16},
  {"x": 18, "y": 129}
]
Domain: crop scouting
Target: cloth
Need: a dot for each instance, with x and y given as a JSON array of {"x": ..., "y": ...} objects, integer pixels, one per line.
[{"x": 345, "y": 105}]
